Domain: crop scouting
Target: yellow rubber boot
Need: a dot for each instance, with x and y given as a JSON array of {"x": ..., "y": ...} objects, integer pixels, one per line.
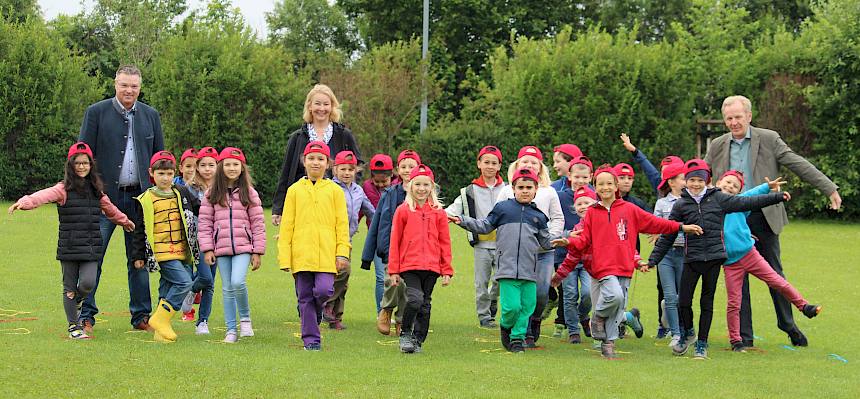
[{"x": 160, "y": 321}]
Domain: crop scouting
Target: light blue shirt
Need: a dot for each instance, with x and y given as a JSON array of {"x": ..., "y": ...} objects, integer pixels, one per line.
[
  {"x": 740, "y": 157},
  {"x": 128, "y": 174}
]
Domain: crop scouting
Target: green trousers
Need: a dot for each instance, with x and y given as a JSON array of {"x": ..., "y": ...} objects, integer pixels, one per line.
[{"x": 517, "y": 300}]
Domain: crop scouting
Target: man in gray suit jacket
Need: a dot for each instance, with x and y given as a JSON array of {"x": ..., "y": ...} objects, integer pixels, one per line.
[
  {"x": 123, "y": 134},
  {"x": 759, "y": 153}
]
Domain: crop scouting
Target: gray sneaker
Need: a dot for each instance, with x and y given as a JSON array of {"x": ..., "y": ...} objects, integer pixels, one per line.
[
  {"x": 407, "y": 344},
  {"x": 489, "y": 324},
  {"x": 680, "y": 348},
  {"x": 701, "y": 350}
]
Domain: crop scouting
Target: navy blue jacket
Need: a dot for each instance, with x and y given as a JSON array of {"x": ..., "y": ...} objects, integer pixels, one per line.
[
  {"x": 105, "y": 130},
  {"x": 521, "y": 231},
  {"x": 379, "y": 234}
]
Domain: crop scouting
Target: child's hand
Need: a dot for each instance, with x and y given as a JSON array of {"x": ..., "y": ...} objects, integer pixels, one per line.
[
  {"x": 560, "y": 242},
  {"x": 209, "y": 258},
  {"x": 652, "y": 238},
  {"x": 643, "y": 266},
  {"x": 556, "y": 280},
  {"x": 450, "y": 219},
  {"x": 14, "y": 207},
  {"x": 775, "y": 185},
  {"x": 395, "y": 279},
  {"x": 786, "y": 196},
  {"x": 255, "y": 262},
  {"x": 692, "y": 229},
  {"x": 341, "y": 263},
  {"x": 446, "y": 280},
  {"x": 138, "y": 264},
  {"x": 625, "y": 139},
  {"x": 276, "y": 220},
  {"x": 129, "y": 227}
]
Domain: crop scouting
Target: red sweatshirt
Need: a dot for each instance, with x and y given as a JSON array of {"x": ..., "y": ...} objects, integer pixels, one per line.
[
  {"x": 609, "y": 235},
  {"x": 420, "y": 240}
]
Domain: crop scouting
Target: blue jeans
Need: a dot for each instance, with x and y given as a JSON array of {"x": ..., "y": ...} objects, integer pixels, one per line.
[
  {"x": 670, "y": 269},
  {"x": 577, "y": 298},
  {"x": 204, "y": 281},
  {"x": 380, "y": 269},
  {"x": 175, "y": 282},
  {"x": 233, "y": 270},
  {"x": 139, "y": 303}
]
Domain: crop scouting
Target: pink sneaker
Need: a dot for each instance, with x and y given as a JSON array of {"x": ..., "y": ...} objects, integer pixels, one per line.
[
  {"x": 245, "y": 329},
  {"x": 231, "y": 337}
]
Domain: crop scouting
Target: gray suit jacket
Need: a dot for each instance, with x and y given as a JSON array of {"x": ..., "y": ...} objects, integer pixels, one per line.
[{"x": 767, "y": 153}]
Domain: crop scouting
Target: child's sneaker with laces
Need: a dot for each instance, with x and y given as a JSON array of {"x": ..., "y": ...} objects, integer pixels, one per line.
[
  {"x": 738, "y": 346},
  {"x": 680, "y": 348},
  {"x": 529, "y": 343},
  {"x": 701, "y": 351},
  {"x": 811, "y": 311},
  {"x": 634, "y": 323},
  {"x": 676, "y": 339},
  {"x": 407, "y": 344},
  {"x": 517, "y": 346},
  {"x": 202, "y": 328},
  {"x": 313, "y": 347},
  {"x": 76, "y": 332},
  {"x": 245, "y": 329},
  {"x": 231, "y": 337}
]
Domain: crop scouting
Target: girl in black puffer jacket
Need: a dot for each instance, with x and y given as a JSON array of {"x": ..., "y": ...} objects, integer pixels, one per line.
[{"x": 704, "y": 254}]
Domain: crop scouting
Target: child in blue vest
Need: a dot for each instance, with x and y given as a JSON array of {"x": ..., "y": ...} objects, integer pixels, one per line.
[{"x": 476, "y": 201}]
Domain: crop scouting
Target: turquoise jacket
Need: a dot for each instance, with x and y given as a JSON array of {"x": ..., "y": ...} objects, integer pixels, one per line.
[{"x": 736, "y": 232}]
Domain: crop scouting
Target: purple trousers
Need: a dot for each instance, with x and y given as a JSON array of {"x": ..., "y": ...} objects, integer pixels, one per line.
[{"x": 313, "y": 290}]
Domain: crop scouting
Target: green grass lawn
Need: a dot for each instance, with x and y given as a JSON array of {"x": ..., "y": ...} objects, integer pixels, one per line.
[{"x": 459, "y": 360}]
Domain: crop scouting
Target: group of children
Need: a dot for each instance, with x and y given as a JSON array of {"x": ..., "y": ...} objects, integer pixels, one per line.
[{"x": 211, "y": 216}]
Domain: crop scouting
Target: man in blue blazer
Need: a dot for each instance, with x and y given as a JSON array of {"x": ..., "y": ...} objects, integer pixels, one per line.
[{"x": 123, "y": 134}]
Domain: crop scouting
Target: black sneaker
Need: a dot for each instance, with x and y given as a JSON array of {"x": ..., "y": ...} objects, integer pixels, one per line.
[
  {"x": 314, "y": 347},
  {"x": 797, "y": 338},
  {"x": 738, "y": 346},
  {"x": 407, "y": 344},
  {"x": 529, "y": 343},
  {"x": 517, "y": 346},
  {"x": 489, "y": 324},
  {"x": 505, "y": 334},
  {"x": 811, "y": 311}
]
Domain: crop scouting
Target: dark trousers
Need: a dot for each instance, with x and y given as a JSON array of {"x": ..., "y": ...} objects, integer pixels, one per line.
[
  {"x": 768, "y": 246},
  {"x": 419, "y": 291},
  {"x": 79, "y": 278},
  {"x": 557, "y": 294},
  {"x": 709, "y": 272},
  {"x": 139, "y": 303}
]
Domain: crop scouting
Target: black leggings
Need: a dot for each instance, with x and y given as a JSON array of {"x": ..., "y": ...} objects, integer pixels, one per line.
[
  {"x": 709, "y": 272},
  {"x": 416, "y": 315}
]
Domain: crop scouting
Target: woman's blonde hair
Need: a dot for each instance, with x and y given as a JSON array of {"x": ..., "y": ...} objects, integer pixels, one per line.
[
  {"x": 335, "y": 114},
  {"x": 434, "y": 201},
  {"x": 543, "y": 175}
]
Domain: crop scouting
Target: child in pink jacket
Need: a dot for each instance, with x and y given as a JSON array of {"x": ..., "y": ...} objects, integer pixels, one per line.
[
  {"x": 233, "y": 232},
  {"x": 80, "y": 203}
]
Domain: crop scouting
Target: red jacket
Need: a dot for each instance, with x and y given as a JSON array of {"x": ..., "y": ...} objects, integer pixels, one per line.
[
  {"x": 420, "y": 240},
  {"x": 609, "y": 235}
]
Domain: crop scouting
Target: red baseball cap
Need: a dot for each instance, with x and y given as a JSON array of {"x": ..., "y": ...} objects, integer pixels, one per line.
[
  {"x": 736, "y": 173},
  {"x": 381, "y": 162},
  {"x": 422, "y": 170},
  {"x": 318, "y": 147},
  {"x": 607, "y": 168},
  {"x": 695, "y": 165},
  {"x": 79, "y": 148},
  {"x": 191, "y": 152},
  {"x": 232, "y": 153},
  {"x": 530, "y": 150},
  {"x": 624, "y": 169},
  {"x": 570, "y": 149},
  {"x": 345, "y": 158},
  {"x": 492, "y": 150},
  {"x": 210, "y": 152},
  {"x": 670, "y": 159},
  {"x": 670, "y": 171},
  {"x": 581, "y": 160},
  {"x": 161, "y": 156},
  {"x": 584, "y": 192},
  {"x": 525, "y": 174},
  {"x": 408, "y": 154}
]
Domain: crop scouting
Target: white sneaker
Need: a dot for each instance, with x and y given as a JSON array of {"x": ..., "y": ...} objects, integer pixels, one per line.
[
  {"x": 202, "y": 328},
  {"x": 231, "y": 337},
  {"x": 676, "y": 339},
  {"x": 245, "y": 329},
  {"x": 188, "y": 302}
]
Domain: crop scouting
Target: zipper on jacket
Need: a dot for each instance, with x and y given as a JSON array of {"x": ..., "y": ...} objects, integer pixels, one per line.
[
  {"x": 230, "y": 207},
  {"x": 519, "y": 239}
]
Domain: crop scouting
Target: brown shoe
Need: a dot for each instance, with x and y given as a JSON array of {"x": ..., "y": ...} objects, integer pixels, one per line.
[
  {"x": 144, "y": 326},
  {"x": 88, "y": 327},
  {"x": 383, "y": 322}
]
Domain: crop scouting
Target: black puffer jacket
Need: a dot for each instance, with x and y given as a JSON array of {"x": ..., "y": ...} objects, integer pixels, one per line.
[
  {"x": 709, "y": 215},
  {"x": 80, "y": 237}
]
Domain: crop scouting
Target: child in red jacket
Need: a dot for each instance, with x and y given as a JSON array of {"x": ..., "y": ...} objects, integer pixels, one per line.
[
  {"x": 609, "y": 232},
  {"x": 419, "y": 253}
]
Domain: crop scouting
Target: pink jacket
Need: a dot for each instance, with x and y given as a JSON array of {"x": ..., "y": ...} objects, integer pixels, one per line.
[
  {"x": 57, "y": 194},
  {"x": 233, "y": 229}
]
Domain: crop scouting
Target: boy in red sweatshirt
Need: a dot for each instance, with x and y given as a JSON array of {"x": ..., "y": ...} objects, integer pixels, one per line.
[{"x": 609, "y": 232}]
